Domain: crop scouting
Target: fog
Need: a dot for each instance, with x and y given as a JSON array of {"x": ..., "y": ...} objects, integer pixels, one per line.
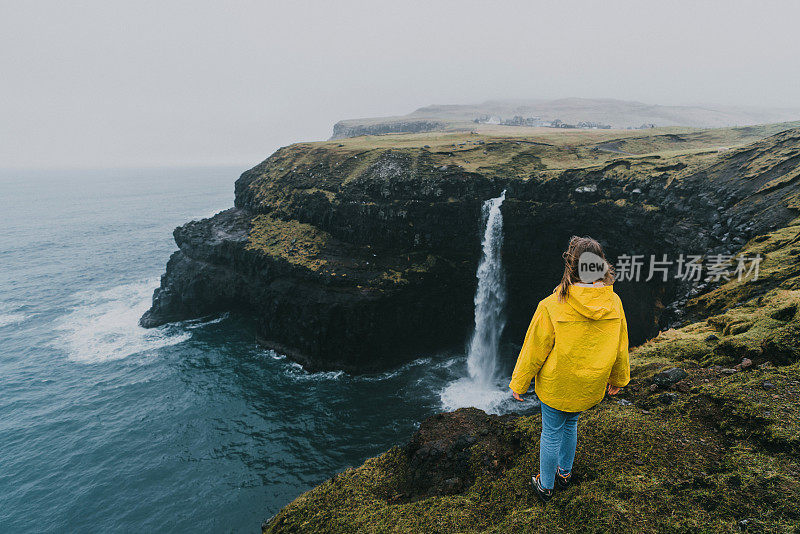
[{"x": 120, "y": 84}]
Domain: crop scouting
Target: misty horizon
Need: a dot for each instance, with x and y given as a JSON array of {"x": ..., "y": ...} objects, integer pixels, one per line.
[{"x": 199, "y": 84}]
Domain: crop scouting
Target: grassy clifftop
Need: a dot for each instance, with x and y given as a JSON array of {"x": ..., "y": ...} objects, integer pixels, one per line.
[{"x": 303, "y": 192}]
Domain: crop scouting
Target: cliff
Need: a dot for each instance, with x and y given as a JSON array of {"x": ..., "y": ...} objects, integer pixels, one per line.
[{"x": 361, "y": 254}]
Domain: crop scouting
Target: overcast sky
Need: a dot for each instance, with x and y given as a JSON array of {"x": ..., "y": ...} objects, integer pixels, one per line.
[{"x": 139, "y": 83}]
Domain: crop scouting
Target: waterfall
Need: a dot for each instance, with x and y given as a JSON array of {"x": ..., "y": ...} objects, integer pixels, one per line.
[
  {"x": 490, "y": 297},
  {"x": 482, "y": 387}
]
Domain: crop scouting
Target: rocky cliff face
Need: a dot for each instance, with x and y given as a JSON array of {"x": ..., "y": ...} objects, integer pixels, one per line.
[{"x": 358, "y": 257}]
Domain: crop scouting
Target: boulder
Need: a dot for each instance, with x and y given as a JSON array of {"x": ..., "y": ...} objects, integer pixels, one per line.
[{"x": 669, "y": 376}]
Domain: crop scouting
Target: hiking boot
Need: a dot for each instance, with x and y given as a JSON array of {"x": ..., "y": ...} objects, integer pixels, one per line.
[
  {"x": 563, "y": 481},
  {"x": 542, "y": 494}
]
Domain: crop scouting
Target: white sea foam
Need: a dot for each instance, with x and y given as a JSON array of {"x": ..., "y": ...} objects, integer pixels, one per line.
[
  {"x": 297, "y": 372},
  {"x": 12, "y": 314},
  {"x": 104, "y": 325},
  {"x": 192, "y": 324},
  {"x": 388, "y": 375},
  {"x": 7, "y": 319}
]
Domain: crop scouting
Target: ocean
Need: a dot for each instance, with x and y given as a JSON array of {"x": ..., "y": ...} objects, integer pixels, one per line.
[{"x": 109, "y": 427}]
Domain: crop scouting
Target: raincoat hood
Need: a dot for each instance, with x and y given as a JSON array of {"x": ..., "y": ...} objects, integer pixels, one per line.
[{"x": 593, "y": 302}]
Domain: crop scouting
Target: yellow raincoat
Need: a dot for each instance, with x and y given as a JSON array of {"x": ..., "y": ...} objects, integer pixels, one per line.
[{"x": 574, "y": 348}]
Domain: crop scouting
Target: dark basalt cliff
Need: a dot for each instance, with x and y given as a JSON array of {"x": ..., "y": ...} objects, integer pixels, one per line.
[{"x": 358, "y": 257}]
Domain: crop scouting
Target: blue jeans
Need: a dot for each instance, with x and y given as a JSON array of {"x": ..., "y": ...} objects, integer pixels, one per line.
[{"x": 557, "y": 444}]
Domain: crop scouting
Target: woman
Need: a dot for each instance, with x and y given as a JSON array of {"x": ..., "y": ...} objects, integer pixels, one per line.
[{"x": 577, "y": 343}]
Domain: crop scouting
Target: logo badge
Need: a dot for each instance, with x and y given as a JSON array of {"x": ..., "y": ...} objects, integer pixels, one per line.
[{"x": 591, "y": 267}]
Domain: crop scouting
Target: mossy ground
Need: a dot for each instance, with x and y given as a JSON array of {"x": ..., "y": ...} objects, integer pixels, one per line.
[
  {"x": 667, "y": 469},
  {"x": 330, "y": 260},
  {"x": 718, "y": 451}
]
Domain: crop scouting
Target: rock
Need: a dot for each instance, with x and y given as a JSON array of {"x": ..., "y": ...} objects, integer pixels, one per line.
[
  {"x": 624, "y": 402},
  {"x": 667, "y": 397},
  {"x": 746, "y": 363},
  {"x": 711, "y": 337},
  {"x": 683, "y": 386},
  {"x": 441, "y": 450},
  {"x": 727, "y": 371},
  {"x": 452, "y": 485},
  {"x": 668, "y": 377},
  {"x": 767, "y": 385}
]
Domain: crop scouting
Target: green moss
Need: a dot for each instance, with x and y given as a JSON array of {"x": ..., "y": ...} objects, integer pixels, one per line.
[
  {"x": 325, "y": 168},
  {"x": 317, "y": 252},
  {"x": 656, "y": 472},
  {"x": 297, "y": 243},
  {"x": 771, "y": 415}
]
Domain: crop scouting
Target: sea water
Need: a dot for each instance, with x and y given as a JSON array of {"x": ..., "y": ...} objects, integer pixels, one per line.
[{"x": 106, "y": 426}]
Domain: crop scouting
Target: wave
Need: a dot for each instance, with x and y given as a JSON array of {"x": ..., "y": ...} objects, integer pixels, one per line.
[
  {"x": 193, "y": 324},
  {"x": 297, "y": 372},
  {"x": 7, "y": 319},
  {"x": 394, "y": 373},
  {"x": 104, "y": 325}
]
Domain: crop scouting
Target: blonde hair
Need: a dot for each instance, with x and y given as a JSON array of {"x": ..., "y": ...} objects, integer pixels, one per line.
[{"x": 577, "y": 246}]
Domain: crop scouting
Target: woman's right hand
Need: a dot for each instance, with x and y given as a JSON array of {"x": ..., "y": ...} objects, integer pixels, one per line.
[
  {"x": 516, "y": 395},
  {"x": 612, "y": 390}
]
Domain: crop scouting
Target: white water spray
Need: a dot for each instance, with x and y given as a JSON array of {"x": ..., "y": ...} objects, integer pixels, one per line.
[{"x": 481, "y": 388}]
